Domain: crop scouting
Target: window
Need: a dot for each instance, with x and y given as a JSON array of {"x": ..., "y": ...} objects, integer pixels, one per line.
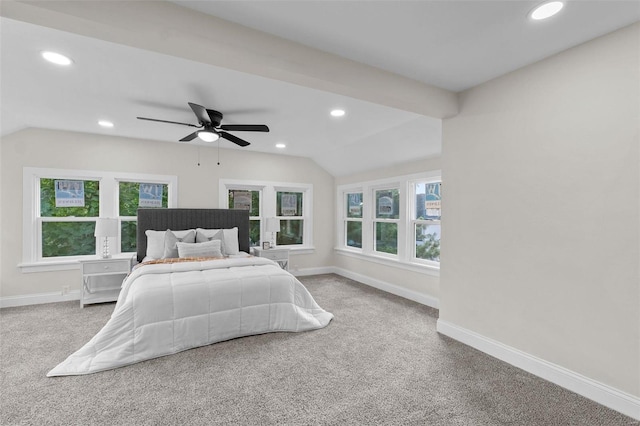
[
  {"x": 68, "y": 212},
  {"x": 353, "y": 219},
  {"x": 426, "y": 221},
  {"x": 132, "y": 195},
  {"x": 386, "y": 219},
  {"x": 289, "y": 211},
  {"x": 248, "y": 200},
  {"x": 61, "y": 208},
  {"x": 291, "y": 203},
  {"x": 394, "y": 220}
]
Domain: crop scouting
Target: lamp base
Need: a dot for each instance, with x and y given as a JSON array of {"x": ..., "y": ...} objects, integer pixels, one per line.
[{"x": 105, "y": 249}]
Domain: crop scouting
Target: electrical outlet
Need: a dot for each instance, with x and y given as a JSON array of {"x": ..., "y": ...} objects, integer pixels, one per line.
[{"x": 65, "y": 289}]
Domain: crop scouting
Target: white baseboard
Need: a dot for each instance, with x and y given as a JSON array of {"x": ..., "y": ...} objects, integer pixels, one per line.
[
  {"x": 36, "y": 299},
  {"x": 606, "y": 395},
  {"x": 390, "y": 288},
  {"x": 313, "y": 271}
]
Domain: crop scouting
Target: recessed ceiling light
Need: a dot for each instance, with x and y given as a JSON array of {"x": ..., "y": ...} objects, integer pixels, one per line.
[
  {"x": 56, "y": 58},
  {"x": 281, "y": 145},
  {"x": 337, "y": 112},
  {"x": 546, "y": 10},
  {"x": 105, "y": 123}
]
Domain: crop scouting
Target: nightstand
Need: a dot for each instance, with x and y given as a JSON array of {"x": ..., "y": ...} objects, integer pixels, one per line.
[
  {"x": 102, "y": 279},
  {"x": 278, "y": 255}
]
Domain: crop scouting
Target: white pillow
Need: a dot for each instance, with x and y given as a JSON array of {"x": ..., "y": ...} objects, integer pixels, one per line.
[
  {"x": 155, "y": 242},
  {"x": 231, "y": 245},
  {"x": 206, "y": 249},
  {"x": 229, "y": 239},
  {"x": 171, "y": 239}
]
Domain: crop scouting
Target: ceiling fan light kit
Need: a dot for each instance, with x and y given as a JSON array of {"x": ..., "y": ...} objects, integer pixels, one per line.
[
  {"x": 209, "y": 120},
  {"x": 208, "y": 136}
]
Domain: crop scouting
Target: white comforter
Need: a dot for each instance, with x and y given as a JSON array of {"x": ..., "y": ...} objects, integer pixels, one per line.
[{"x": 167, "y": 308}]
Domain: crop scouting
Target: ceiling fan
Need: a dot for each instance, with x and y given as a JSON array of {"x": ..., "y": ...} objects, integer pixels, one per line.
[{"x": 209, "y": 121}]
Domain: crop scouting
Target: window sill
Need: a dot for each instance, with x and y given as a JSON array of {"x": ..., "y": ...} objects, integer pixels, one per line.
[
  {"x": 60, "y": 265},
  {"x": 414, "y": 267}
]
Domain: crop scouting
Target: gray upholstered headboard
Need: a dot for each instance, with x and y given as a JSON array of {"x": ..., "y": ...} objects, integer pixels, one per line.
[{"x": 179, "y": 219}]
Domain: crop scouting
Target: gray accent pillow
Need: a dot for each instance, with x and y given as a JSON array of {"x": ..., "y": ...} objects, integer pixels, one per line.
[
  {"x": 155, "y": 242},
  {"x": 170, "y": 241},
  {"x": 205, "y": 249},
  {"x": 203, "y": 235}
]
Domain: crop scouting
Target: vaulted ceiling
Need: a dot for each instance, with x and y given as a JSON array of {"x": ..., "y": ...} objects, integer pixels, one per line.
[{"x": 393, "y": 66}]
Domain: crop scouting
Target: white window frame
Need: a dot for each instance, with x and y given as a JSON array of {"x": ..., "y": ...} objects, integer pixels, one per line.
[
  {"x": 375, "y": 220},
  {"x": 171, "y": 201},
  {"x": 247, "y": 187},
  {"x": 32, "y": 260},
  {"x": 346, "y": 219},
  {"x": 268, "y": 206},
  {"x": 405, "y": 259},
  {"x": 414, "y": 221}
]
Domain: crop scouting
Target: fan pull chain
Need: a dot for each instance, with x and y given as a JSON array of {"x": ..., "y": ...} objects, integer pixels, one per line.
[
  {"x": 198, "y": 156},
  {"x": 218, "y": 151}
]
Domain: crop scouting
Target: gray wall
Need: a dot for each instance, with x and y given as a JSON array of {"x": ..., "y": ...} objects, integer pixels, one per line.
[{"x": 541, "y": 211}]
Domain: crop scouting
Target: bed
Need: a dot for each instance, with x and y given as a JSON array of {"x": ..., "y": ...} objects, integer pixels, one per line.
[{"x": 171, "y": 304}]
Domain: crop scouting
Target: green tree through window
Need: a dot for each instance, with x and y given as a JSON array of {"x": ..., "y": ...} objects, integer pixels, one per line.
[{"x": 427, "y": 243}]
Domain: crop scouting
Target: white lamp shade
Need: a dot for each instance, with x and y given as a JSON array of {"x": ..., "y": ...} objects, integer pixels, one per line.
[
  {"x": 106, "y": 227},
  {"x": 273, "y": 224}
]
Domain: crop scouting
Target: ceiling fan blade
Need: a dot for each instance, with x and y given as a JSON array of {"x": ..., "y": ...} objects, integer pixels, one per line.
[
  {"x": 167, "y": 121},
  {"x": 191, "y": 137},
  {"x": 201, "y": 113},
  {"x": 245, "y": 127},
  {"x": 234, "y": 139}
]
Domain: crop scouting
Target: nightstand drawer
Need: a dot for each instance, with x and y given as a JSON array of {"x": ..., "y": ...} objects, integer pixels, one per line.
[
  {"x": 274, "y": 254},
  {"x": 106, "y": 266},
  {"x": 278, "y": 255}
]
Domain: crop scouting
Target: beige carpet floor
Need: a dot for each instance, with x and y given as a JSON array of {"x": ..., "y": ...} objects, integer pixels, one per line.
[{"x": 379, "y": 362}]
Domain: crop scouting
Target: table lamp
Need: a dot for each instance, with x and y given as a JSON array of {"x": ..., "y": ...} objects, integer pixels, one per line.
[
  {"x": 105, "y": 228},
  {"x": 273, "y": 226}
]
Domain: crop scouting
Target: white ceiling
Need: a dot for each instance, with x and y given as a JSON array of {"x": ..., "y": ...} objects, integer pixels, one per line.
[{"x": 452, "y": 44}]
